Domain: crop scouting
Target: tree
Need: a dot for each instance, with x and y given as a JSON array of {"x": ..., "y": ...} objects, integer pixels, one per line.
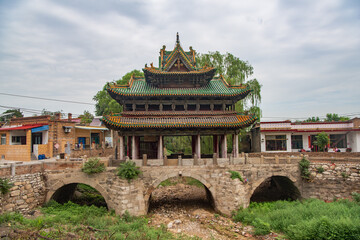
[
  {"x": 334, "y": 117},
  {"x": 106, "y": 104},
  {"x": 322, "y": 140},
  {"x": 86, "y": 117},
  {"x": 236, "y": 72},
  {"x": 8, "y": 114},
  {"x": 312, "y": 119}
]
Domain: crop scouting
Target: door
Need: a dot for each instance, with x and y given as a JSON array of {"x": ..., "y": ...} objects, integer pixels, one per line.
[{"x": 82, "y": 141}]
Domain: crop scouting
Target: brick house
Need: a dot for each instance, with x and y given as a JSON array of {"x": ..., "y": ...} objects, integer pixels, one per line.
[
  {"x": 287, "y": 136},
  {"x": 26, "y": 138}
]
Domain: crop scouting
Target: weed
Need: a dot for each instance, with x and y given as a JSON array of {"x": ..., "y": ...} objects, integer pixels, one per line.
[
  {"x": 344, "y": 175},
  {"x": 5, "y": 185},
  {"x": 320, "y": 169},
  {"x": 128, "y": 170},
  {"x": 235, "y": 174},
  {"x": 304, "y": 165},
  {"x": 93, "y": 165},
  {"x": 310, "y": 219},
  {"x": 356, "y": 196},
  {"x": 194, "y": 182}
]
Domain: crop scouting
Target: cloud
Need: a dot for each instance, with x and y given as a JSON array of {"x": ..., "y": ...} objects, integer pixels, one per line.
[{"x": 305, "y": 53}]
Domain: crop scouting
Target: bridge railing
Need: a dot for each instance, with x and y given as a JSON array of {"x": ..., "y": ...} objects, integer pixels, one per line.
[{"x": 242, "y": 159}]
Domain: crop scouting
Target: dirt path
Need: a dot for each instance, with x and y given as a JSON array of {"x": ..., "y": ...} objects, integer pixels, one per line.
[{"x": 184, "y": 209}]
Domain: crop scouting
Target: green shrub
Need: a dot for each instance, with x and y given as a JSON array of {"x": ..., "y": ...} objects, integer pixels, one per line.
[
  {"x": 5, "y": 186},
  {"x": 304, "y": 165},
  {"x": 344, "y": 175},
  {"x": 194, "y": 182},
  {"x": 356, "y": 196},
  {"x": 309, "y": 219},
  {"x": 93, "y": 165},
  {"x": 235, "y": 174},
  {"x": 128, "y": 170},
  {"x": 320, "y": 169},
  {"x": 261, "y": 227}
]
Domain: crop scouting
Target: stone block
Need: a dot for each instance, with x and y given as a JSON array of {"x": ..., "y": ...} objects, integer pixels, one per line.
[{"x": 15, "y": 193}]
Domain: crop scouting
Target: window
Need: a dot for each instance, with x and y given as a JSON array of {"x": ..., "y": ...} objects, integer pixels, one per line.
[
  {"x": 205, "y": 107},
  {"x": 179, "y": 108},
  {"x": 338, "y": 140},
  {"x": 191, "y": 107},
  {"x": 18, "y": 140},
  {"x": 275, "y": 143},
  {"x": 3, "y": 139},
  {"x": 296, "y": 142}
]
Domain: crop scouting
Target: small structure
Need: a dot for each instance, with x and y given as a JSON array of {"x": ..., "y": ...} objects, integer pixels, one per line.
[
  {"x": 287, "y": 136},
  {"x": 178, "y": 98},
  {"x": 35, "y": 138}
]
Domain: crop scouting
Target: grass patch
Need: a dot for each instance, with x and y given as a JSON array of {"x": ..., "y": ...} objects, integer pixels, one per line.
[
  {"x": 183, "y": 180},
  {"x": 310, "y": 219},
  {"x": 85, "y": 222}
]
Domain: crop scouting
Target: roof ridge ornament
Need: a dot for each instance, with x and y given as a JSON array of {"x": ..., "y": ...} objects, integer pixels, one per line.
[{"x": 177, "y": 39}]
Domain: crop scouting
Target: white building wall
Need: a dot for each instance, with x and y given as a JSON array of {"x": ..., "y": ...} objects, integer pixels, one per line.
[
  {"x": 354, "y": 141},
  {"x": 263, "y": 141}
]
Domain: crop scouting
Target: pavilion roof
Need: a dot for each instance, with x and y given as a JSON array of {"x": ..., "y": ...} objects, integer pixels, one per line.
[
  {"x": 230, "y": 121},
  {"x": 216, "y": 87}
]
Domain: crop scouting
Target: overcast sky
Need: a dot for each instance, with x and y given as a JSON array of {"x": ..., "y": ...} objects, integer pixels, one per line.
[{"x": 306, "y": 54}]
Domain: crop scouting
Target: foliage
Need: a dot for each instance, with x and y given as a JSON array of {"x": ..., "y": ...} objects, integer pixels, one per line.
[
  {"x": 184, "y": 180},
  {"x": 12, "y": 113},
  {"x": 344, "y": 175},
  {"x": 312, "y": 119},
  {"x": 320, "y": 169},
  {"x": 85, "y": 222},
  {"x": 86, "y": 117},
  {"x": 88, "y": 196},
  {"x": 5, "y": 186},
  {"x": 236, "y": 72},
  {"x": 93, "y": 165},
  {"x": 304, "y": 165},
  {"x": 106, "y": 104},
  {"x": 334, "y": 117},
  {"x": 194, "y": 182},
  {"x": 356, "y": 196},
  {"x": 310, "y": 219},
  {"x": 235, "y": 174},
  {"x": 322, "y": 140},
  {"x": 128, "y": 170}
]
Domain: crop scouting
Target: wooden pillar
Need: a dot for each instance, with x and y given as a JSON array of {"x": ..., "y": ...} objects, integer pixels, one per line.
[
  {"x": 216, "y": 145},
  {"x": 223, "y": 146},
  {"x": 128, "y": 146},
  {"x": 121, "y": 147},
  {"x": 235, "y": 145},
  {"x": 137, "y": 141},
  {"x": 193, "y": 141},
  {"x": 133, "y": 147},
  {"x": 198, "y": 146},
  {"x": 160, "y": 148}
]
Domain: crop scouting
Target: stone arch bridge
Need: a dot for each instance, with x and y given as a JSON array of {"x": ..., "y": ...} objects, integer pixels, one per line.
[{"x": 226, "y": 194}]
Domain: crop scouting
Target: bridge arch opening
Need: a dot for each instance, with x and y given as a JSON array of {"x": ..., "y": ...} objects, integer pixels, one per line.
[
  {"x": 79, "y": 193},
  {"x": 275, "y": 188},
  {"x": 180, "y": 193}
]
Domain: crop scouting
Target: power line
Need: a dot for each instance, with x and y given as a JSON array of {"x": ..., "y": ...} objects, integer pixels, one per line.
[
  {"x": 33, "y": 111},
  {"x": 47, "y": 99}
]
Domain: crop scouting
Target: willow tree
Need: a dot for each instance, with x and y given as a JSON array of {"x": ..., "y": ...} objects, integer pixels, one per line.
[
  {"x": 236, "y": 72},
  {"x": 104, "y": 103}
]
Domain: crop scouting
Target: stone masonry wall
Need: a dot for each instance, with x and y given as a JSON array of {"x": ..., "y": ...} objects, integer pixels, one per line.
[
  {"x": 338, "y": 180},
  {"x": 27, "y": 193}
]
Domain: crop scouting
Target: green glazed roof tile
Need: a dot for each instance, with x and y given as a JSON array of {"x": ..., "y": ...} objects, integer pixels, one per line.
[{"x": 216, "y": 87}]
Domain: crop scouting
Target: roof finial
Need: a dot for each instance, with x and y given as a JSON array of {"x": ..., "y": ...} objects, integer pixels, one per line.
[{"x": 177, "y": 38}]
